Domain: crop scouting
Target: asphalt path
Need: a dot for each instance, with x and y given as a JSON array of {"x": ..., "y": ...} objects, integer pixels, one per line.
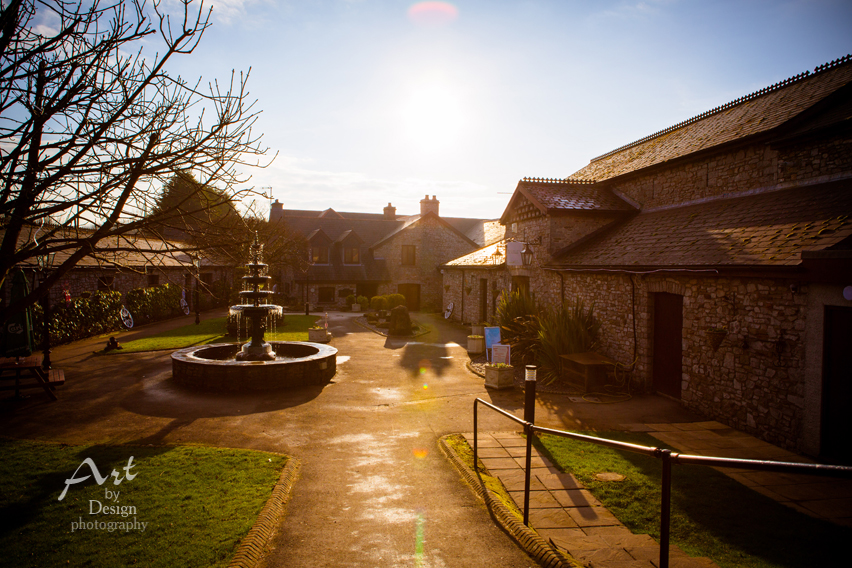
[{"x": 374, "y": 488}]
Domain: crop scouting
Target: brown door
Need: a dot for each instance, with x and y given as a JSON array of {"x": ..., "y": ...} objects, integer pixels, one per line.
[
  {"x": 668, "y": 356},
  {"x": 836, "y": 431},
  {"x": 483, "y": 299},
  {"x": 412, "y": 295}
]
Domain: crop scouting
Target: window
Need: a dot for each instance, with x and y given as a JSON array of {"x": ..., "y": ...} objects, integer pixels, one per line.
[
  {"x": 352, "y": 255},
  {"x": 319, "y": 255},
  {"x": 408, "y": 255},
  {"x": 326, "y": 294},
  {"x": 153, "y": 280}
]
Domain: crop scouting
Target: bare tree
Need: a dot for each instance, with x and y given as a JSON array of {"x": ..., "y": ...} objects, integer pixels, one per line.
[{"x": 91, "y": 128}]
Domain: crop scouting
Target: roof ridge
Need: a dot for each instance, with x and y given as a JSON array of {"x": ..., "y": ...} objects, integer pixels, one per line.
[
  {"x": 557, "y": 180},
  {"x": 766, "y": 90}
]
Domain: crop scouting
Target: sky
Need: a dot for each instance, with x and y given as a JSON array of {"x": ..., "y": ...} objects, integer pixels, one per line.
[{"x": 367, "y": 102}]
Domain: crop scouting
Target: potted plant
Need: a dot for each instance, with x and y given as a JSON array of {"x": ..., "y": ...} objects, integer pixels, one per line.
[
  {"x": 499, "y": 375},
  {"x": 352, "y": 302},
  {"x": 717, "y": 336},
  {"x": 360, "y": 303},
  {"x": 475, "y": 344},
  {"x": 318, "y": 334}
]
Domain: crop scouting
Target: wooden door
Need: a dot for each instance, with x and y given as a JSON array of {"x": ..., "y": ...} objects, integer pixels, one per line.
[
  {"x": 668, "y": 350},
  {"x": 836, "y": 431},
  {"x": 412, "y": 295},
  {"x": 483, "y": 299}
]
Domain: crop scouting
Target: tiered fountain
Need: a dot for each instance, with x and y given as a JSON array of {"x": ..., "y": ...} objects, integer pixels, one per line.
[
  {"x": 257, "y": 365},
  {"x": 258, "y": 312}
]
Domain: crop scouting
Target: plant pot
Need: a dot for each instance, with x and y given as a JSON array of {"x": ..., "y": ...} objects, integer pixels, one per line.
[
  {"x": 356, "y": 307},
  {"x": 499, "y": 377},
  {"x": 477, "y": 329},
  {"x": 319, "y": 335},
  {"x": 716, "y": 338},
  {"x": 475, "y": 344}
]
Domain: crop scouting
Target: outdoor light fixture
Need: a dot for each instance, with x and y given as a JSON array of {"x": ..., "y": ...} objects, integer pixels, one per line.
[
  {"x": 527, "y": 254},
  {"x": 196, "y": 262}
]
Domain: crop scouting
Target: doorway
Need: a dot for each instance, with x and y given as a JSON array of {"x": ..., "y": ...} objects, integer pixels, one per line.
[
  {"x": 835, "y": 440},
  {"x": 483, "y": 299},
  {"x": 412, "y": 296},
  {"x": 668, "y": 343}
]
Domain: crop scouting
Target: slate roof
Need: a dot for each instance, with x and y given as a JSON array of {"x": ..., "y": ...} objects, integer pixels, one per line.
[
  {"x": 146, "y": 251},
  {"x": 481, "y": 258},
  {"x": 764, "y": 230},
  {"x": 553, "y": 196},
  {"x": 297, "y": 219},
  {"x": 753, "y": 114}
]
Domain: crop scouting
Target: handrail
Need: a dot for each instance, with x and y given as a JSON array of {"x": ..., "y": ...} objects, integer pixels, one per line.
[{"x": 667, "y": 456}]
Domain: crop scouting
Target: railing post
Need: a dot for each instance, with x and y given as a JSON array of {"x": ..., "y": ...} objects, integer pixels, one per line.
[
  {"x": 475, "y": 438},
  {"x": 527, "y": 473},
  {"x": 529, "y": 417},
  {"x": 665, "y": 507}
]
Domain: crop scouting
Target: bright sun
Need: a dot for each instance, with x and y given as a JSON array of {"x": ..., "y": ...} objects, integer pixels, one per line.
[{"x": 432, "y": 116}]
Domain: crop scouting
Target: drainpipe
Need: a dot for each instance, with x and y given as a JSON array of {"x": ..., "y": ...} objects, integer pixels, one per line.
[{"x": 462, "y": 297}]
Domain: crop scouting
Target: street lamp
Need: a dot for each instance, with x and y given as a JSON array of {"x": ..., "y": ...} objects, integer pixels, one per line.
[
  {"x": 196, "y": 262},
  {"x": 45, "y": 261},
  {"x": 306, "y": 268}
]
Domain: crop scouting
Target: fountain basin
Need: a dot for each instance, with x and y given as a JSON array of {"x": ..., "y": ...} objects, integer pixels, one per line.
[{"x": 212, "y": 367}]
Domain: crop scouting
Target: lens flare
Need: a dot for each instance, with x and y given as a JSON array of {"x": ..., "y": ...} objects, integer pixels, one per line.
[
  {"x": 424, "y": 366},
  {"x": 420, "y": 453},
  {"x": 432, "y": 14},
  {"x": 420, "y": 538},
  {"x": 425, "y": 386}
]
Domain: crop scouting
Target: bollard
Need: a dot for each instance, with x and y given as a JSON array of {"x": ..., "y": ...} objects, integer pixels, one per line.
[
  {"x": 529, "y": 390},
  {"x": 307, "y": 309}
]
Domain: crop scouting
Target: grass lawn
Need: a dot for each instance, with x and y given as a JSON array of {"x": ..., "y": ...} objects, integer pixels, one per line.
[
  {"x": 197, "y": 503},
  {"x": 712, "y": 515},
  {"x": 213, "y": 331}
]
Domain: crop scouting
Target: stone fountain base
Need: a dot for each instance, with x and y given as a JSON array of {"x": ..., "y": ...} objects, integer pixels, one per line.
[{"x": 213, "y": 367}]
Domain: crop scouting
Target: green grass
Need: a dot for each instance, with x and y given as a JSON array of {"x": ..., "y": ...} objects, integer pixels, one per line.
[
  {"x": 712, "y": 515},
  {"x": 213, "y": 331},
  {"x": 198, "y": 503}
]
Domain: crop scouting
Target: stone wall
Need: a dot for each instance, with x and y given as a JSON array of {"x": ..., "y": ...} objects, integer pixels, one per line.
[
  {"x": 753, "y": 382},
  {"x": 434, "y": 244}
]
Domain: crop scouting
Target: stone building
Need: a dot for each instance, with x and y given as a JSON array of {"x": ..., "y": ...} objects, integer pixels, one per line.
[
  {"x": 369, "y": 254},
  {"x": 733, "y": 225},
  {"x": 131, "y": 261}
]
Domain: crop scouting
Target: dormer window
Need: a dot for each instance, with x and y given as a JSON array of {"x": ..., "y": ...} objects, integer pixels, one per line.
[
  {"x": 319, "y": 254},
  {"x": 352, "y": 255}
]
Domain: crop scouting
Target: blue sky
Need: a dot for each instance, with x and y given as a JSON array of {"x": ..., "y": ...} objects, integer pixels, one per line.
[{"x": 365, "y": 105}]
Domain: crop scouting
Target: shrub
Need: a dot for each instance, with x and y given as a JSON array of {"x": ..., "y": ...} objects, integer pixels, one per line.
[
  {"x": 154, "y": 304},
  {"x": 378, "y": 303},
  {"x": 81, "y": 318},
  {"x": 514, "y": 305},
  {"x": 350, "y": 299},
  {"x": 395, "y": 300},
  {"x": 571, "y": 329},
  {"x": 362, "y": 301}
]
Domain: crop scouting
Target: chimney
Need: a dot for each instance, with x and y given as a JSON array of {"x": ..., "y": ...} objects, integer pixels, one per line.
[
  {"x": 276, "y": 212},
  {"x": 390, "y": 212},
  {"x": 429, "y": 205}
]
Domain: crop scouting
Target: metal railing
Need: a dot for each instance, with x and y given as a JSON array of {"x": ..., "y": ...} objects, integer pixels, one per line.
[{"x": 667, "y": 456}]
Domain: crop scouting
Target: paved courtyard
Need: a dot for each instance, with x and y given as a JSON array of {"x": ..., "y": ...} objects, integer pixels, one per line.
[{"x": 374, "y": 488}]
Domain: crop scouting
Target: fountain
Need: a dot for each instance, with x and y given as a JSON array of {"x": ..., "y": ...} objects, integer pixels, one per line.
[{"x": 256, "y": 365}]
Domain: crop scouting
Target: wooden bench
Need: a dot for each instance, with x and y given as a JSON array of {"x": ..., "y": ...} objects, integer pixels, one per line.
[
  {"x": 15, "y": 369},
  {"x": 587, "y": 370}
]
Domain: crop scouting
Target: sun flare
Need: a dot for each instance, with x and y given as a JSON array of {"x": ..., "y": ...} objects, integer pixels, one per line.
[{"x": 432, "y": 116}]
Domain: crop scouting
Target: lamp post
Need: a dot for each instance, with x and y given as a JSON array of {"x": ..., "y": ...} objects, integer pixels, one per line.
[
  {"x": 45, "y": 261},
  {"x": 196, "y": 262},
  {"x": 306, "y": 268}
]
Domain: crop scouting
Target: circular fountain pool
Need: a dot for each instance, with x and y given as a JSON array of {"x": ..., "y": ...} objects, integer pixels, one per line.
[{"x": 213, "y": 367}]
